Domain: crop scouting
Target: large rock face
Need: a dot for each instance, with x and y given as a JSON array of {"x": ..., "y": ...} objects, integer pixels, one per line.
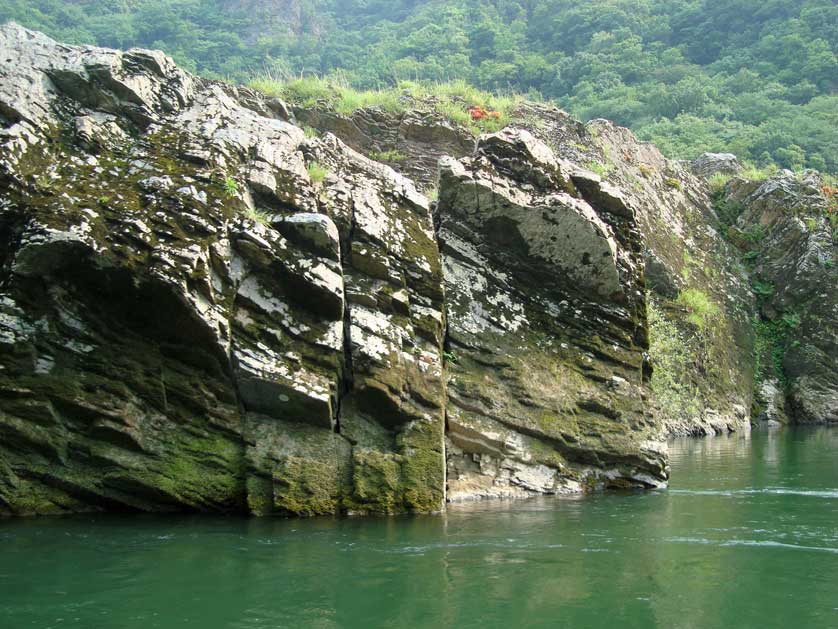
[
  {"x": 788, "y": 231},
  {"x": 699, "y": 301},
  {"x": 201, "y": 308},
  {"x": 546, "y": 313}
]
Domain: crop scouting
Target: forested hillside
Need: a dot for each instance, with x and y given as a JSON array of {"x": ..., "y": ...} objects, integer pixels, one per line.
[{"x": 755, "y": 77}]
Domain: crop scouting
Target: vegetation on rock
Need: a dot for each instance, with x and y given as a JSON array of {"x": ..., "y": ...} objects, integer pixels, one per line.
[{"x": 455, "y": 101}]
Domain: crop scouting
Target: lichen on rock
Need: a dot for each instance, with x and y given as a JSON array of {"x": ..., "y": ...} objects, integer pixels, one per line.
[{"x": 546, "y": 384}]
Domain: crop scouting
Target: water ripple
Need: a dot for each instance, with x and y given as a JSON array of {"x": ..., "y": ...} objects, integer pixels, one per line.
[
  {"x": 778, "y": 491},
  {"x": 748, "y": 542}
]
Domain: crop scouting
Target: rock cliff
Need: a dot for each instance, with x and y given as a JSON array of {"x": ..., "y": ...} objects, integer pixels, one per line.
[
  {"x": 203, "y": 308},
  {"x": 787, "y": 230}
]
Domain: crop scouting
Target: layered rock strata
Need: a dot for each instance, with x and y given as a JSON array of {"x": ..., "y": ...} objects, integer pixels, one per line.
[{"x": 201, "y": 308}]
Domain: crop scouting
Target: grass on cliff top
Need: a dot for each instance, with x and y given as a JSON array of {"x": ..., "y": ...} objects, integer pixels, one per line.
[{"x": 451, "y": 100}]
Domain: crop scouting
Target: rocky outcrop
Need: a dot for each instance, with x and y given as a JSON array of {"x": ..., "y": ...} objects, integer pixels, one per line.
[
  {"x": 203, "y": 307},
  {"x": 788, "y": 233},
  {"x": 701, "y": 353},
  {"x": 411, "y": 142},
  {"x": 700, "y": 302},
  {"x": 546, "y": 314}
]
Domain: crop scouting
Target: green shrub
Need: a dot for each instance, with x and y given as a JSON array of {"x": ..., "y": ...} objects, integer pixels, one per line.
[
  {"x": 754, "y": 235},
  {"x": 450, "y": 357},
  {"x": 599, "y": 168},
  {"x": 231, "y": 187},
  {"x": 317, "y": 173},
  {"x": 700, "y": 308},
  {"x": 258, "y": 215},
  {"x": 763, "y": 289},
  {"x": 727, "y": 210}
]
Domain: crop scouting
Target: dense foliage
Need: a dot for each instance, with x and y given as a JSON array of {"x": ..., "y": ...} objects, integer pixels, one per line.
[{"x": 756, "y": 77}]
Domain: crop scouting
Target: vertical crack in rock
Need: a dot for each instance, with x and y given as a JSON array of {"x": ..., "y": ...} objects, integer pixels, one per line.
[{"x": 347, "y": 379}]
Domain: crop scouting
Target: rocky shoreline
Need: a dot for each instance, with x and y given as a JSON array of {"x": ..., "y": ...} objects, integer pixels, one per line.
[{"x": 203, "y": 307}]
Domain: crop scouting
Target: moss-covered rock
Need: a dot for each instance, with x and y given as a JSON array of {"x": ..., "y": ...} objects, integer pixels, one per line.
[
  {"x": 181, "y": 323},
  {"x": 546, "y": 314}
]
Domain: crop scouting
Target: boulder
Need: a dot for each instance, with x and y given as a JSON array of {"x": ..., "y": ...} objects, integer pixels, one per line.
[{"x": 709, "y": 164}]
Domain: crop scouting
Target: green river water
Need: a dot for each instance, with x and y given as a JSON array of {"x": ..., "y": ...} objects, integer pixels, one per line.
[{"x": 746, "y": 536}]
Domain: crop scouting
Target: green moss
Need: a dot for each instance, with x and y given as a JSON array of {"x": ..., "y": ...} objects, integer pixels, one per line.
[
  {"x": 772, "y": 340},
  {"x": 423, "y": 465},
  {"x": 205, "y": 470},
  {"x": 376, "y": 480},
  {"x": 673, "y": 362},
  {"x": 306, "y": 486},
  {"x": 260, "y": 499}
]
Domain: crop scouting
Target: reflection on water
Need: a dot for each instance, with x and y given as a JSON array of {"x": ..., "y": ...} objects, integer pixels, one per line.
[{"x": 746, "y": 537}]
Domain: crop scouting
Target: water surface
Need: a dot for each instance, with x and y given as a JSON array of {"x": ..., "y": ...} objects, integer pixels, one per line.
[{"x": 747, "y": 536}]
